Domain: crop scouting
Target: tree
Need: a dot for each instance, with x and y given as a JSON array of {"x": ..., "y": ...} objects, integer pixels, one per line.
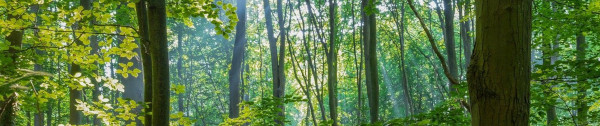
[
  {"x": 332, "y": 63},
  {"x": 499, "y": 73},
  {"x": 239, "y": 48},
  {"x": 370, "y": 53},
  {"x": 15, "y": 38},
  {"x": 449, "y": 40},
  {"x": 157, "y": 18},
  {"x": 464, "y": 10},
  {"x": 142, "y": 15},
  {"x": 277, "y": 61},
  {"x": 75, "y": 116},
  {"x": 582, "y": 107}
]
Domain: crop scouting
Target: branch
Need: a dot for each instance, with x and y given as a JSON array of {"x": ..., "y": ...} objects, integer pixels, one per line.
[
  {"x": 28, "y": 73},
  {"x": 451, "y": 78}
]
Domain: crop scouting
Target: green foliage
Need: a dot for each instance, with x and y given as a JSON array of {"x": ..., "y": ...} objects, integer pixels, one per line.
[
  {"x": 262, "y": 112},
  {"x": 447, "y": 113}
]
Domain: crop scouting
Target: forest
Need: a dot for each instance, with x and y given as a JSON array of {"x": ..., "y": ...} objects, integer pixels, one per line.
[{"x": 299, "y": 62}]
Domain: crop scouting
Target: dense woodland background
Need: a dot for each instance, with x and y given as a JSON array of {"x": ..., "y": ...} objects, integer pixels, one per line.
[{"x": 299, "y": 62}]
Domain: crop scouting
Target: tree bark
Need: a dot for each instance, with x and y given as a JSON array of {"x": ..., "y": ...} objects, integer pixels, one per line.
[
  {"x": 280, "y": 87},
  {"x": 332, "y": 64},
  {"x": 464, "y": 31},
  {"x": 142, "y": 15},
  {"x": 160, "y": 61},
  {"x": 499, "y": 73},
  {"x": 239, "y": 48},
  {"x": 370, "y": 43},
  {"x": 276, "y": 61},
  {"x": 449, "y": 40}
]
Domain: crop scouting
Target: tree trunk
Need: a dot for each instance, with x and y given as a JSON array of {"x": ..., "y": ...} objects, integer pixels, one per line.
[
  {"x": 75, "y": 117},
  {"x": 157, "y": 18},
  {"x": 276, "y": 62},
  {"x": 449, "y": 40},
  {"x": 142, "y": 16},
  {"x": 551, "y": 118},
  {"x": 499, "y": 73},
  {"x": 332, "y": 64},
  {"x": 358, "y": 68},
  {"x": 281, "y": 85},
  {"x": 370, "y": 43},
  {"x": 582, "y": 107},
  {"x": 464, "y": 31},
  {"x": 236, "y": 63}
]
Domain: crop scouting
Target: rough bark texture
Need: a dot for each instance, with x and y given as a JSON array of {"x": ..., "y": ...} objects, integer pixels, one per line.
[
  {"x": 499, "y": 73},
  {"x": 332, "y": 64},
  {"x": 142, "y": 15},
  {"x": 157, "y": 18},
  {"x": 239, "y": 48},
  {"x": 370, "y": 43}
]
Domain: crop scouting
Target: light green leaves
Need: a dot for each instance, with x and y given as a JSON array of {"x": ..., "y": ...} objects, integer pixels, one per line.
[
  {"x": 178, "y": 88},
  {"x": 125, "y": 71},
  {"x": 595, "y": 106}
]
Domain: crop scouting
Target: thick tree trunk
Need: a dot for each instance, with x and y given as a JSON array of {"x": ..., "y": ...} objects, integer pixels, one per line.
[
  {"x": 499, "y": 73},
  {"x": 370, "y": 43},
  {"x": 157, "y": 18},
  {"x": 239, "y": 48},
  {"x": 332, "y": 64},
  {"x": 142, "y": 16}
]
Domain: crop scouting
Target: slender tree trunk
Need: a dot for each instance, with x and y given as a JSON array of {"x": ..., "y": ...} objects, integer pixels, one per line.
[
  {"x": 236, "y": 63},
  {"x": 281, "y": 61},
  {"x": 358, "y": 67},
  {"x": 370, "y": 43},
  {"x": 157, "y": 18},
  {"x": 551, "y": 117},
  {"x": 464, "y": 30},
  {"x": 180, "y": 96},
  {"x": 332, "y": 63},
  {"x": 305, "y": 89},
  {"x": 39, "y": 115},
  {"x": 75, "y": 117},
  {"x": 142, "y": 16},
  {"x": 449, "y": 40},
  {"x": 499, "y": 73},
  {"x": 582, "y": 107},
  {"x": 276, "y": 61}
]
